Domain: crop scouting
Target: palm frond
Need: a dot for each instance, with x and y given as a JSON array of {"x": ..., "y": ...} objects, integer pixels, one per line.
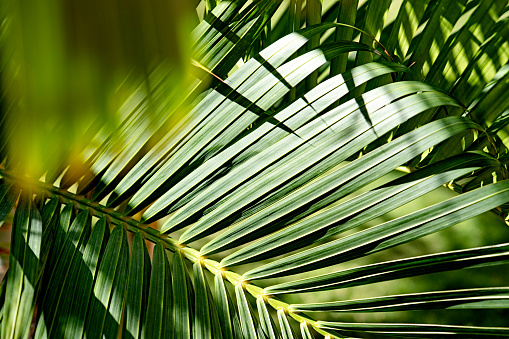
[{"x": 220, "y": 199}]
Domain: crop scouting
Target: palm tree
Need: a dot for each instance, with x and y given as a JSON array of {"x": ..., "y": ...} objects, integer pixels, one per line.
[{"x": 177, "y": 222}]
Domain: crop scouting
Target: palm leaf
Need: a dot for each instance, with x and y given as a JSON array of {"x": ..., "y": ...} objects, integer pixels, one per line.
[{"x": 272, "y": 161}]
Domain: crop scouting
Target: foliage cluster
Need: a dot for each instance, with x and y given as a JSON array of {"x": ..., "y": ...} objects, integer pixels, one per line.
[{"x": 176, "y": 192}]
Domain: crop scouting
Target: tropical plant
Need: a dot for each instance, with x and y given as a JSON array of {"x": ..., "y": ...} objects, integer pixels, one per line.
[{"x": 268, "y": 166}]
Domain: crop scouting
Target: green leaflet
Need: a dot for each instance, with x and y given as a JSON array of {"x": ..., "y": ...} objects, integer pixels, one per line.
[
  {"x": 266, "y": 322},
  {"x": 375, "y": 18},
  {"x": 76, "y": 236},
  {"x": 453, "y": 60},
  {"x": 490, "y": 58},
  {"x": 461, "y": 299},
  {"x": 350, "y": 178},
  {"x": 67, "y": 215},
  {"x": 245, "y": 314},
  {"x": 206, "y": 315},
  {"x": 81, "y": 293},
  {"x": 404, "y": 29},
  {"x": 239, "y": 82},
  {"x": 225, "y": 311},
  {"x": 72, "y": 303},
  {"x": 267, "y": 156},
  {"x": 416, "y": 330},
  {"x": 391, "y": 233},
  {"x": 218, "y": 54},
  {"x": 50, "y": 219},
  {"x": 137, "y": 289},
  {"x": 305, "y": 332},
  {"x": 346, "y": 15},
  {"x": 202, "y": 326},
  {"x": 492, "y": 104},
  {"x": 364, "y": 208},
  {"x": 182, "y": 306},
  {"x": 214, "y": 315},
  {"x": 21, "y": 278},
  {"x": 313, "y": 17},
  {"x": 434, "y": 36},
  {"x": 340, "y": 132},
  {"x": 241, "y": 108},
  {"x": 371, "y": 204},
  {"x": 286, "y": 330},
  {"x": 293, "y": 116},
  {"x": 426, "y": 264},
  {"x": 105, "y": 305},
  {"x": 217, "y": 50},
  {"x": 158, "y": 323}
]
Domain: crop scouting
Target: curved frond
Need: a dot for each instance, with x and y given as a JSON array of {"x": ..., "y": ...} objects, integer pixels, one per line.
[{"x": 290, "y": 160}]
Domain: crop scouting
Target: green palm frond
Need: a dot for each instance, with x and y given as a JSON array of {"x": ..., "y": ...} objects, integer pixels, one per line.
[{"x": 211, "y": 203}]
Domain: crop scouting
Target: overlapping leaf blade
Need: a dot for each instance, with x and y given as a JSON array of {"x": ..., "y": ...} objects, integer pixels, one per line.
[
  {"x": 76, "y": 236},
  {"x": 418, "y": 330},
  {"x": 137, "y": 290},
  {"x": 365, "y": 207},
  {"x": 286, "y": 330},
  {"x": 334, "y": 137},
  {"x": 245, "y": 313},
  {"x": 462, "y": 299},
  {"x": 266, "y": 321},
  {"x": 384, "y": 271},
  {"x": 158, "y": 322},
  {"x": 105, "y": 309},
  {"x": 392, "y": 233},
  {"x": 350, "y": 178},
  {"x": 21, "y": 279},
  {"x": 82, "y": 293},
  {"x": 182, "y": 306}
]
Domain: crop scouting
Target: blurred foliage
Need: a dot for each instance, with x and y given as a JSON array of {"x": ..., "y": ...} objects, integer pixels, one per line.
[{"x": 68, "y": 67}]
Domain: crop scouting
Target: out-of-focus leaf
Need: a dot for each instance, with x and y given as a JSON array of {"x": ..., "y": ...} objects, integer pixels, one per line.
[{"x": 8, "y": 196}]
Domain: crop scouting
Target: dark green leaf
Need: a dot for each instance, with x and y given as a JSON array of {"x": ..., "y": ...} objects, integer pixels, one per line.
[
  {"x": 137, "y": 290},
  {"x": 160, "y": 287},
  {"x": 182, "y": 309},
  {"x": 105, "y": 308},
  {"x": 24, "y": 265}
]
